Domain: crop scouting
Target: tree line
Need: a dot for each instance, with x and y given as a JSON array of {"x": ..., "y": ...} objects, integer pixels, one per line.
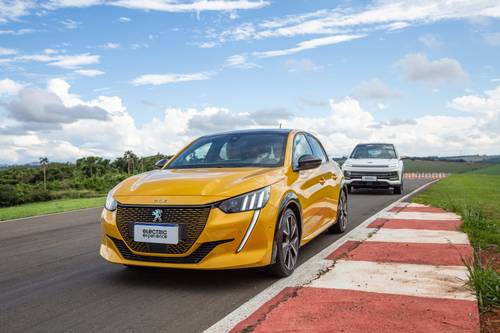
[{"x": 88, "y": 177}]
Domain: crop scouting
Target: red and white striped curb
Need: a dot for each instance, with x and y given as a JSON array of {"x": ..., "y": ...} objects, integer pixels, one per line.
[
  {"x": 402, "y": 271},
  {"x": 425, "y": 175}
]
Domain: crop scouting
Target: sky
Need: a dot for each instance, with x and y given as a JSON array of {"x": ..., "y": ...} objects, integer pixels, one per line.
[{"x": 95, "y": 77}]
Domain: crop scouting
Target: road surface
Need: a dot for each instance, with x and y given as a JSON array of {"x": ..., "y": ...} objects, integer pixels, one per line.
[{"x": 52, "y": 278}]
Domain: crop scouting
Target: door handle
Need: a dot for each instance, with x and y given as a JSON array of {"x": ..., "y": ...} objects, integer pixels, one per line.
[{"x": 322, "y": 181}]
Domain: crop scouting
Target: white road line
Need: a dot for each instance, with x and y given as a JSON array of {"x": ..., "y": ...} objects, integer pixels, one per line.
[
  {"x": 303, "y": 274},
  {"x": 420, "y": 216},
  {"x": 401, "y": 279},
  {"x": 419, "y": 236}
]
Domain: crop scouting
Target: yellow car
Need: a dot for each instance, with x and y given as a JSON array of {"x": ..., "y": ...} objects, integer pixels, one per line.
[{"x": 231, "y": 200}]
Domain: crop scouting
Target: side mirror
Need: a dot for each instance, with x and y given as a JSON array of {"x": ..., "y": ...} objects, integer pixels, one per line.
[
  {"x": 161, "y": 163},
  {"x": 307, "y": 162}
]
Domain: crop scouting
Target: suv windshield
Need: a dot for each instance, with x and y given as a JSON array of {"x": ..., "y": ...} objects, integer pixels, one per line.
[
  {"x": 233, "y": 150},
  {"x": 374, "y": 151}
]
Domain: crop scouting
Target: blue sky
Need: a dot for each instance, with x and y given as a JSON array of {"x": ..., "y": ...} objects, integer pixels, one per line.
[{"x": 85, "y": 77}]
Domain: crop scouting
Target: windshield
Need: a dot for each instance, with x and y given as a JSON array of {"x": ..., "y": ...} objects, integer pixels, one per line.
[
  {"x": 233, "y": 150},
  {"x": 374, "y": 151}
]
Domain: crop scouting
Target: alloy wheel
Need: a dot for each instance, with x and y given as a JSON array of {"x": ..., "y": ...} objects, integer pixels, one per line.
[{"x": 290, "y": 241}]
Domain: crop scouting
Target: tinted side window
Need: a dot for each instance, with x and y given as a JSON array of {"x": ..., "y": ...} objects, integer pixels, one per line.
[
  {"x": 317, "y": 148},
  {"x": 300, "y": 147}
]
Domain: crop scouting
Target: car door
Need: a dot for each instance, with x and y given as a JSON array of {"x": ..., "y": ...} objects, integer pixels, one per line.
[
  {"x": 330, "y": 179},
  {"x": 309, "y": 187}
]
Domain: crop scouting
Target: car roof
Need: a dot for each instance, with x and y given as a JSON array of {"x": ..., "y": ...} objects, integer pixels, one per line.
[
  {"x": 254, "y": 131},
  {"x": 374, "y": 143}
]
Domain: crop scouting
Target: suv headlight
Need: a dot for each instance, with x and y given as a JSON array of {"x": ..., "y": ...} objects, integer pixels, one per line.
[
  {"x": 110, "y": 201},
  {"x": 249, "y": 201}
]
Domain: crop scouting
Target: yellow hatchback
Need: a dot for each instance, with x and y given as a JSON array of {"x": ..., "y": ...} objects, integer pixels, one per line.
[{"x": 231, "y": 200}]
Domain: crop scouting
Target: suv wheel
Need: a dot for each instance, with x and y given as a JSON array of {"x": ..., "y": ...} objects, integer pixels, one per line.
[
  {"x": 341, "y": 223},
  {"x": 287, "y": 244},
  {"x": 398, "y": 189}
]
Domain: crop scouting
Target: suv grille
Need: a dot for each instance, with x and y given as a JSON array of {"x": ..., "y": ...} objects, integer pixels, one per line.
[
  {"x": 392, "y": 175},
  {"x": 191, "y": 221}
]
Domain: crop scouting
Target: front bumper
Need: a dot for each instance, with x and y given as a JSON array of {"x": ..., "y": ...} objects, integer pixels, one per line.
[
  {"x": 215, "y": 248},
  {"x": 383, "y": 177}
]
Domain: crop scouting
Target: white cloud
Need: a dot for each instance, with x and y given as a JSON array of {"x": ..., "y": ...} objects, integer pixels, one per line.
[
  {"x": 191, "y": 6},
  {"x": 9, "y": 87},
  {"x": 89, "y": 72},
  {"x": 75, "y": 61},
  {"x": 239, "y": 61},
  {"x": 308, "y": 44},
  {"x": 110, "y": 45},
  {"x": 70, "y": 24},
  {"x": 78, "y": 136},
  {"x": 359, "y": 20},
  {"x": 489, "y": 104},
  {"x": 13, "y": 10},
  {"x": 17, "y": 32},
  {"x": 301, "y": 66},
  {"x": 375, "y": 89},
  {"x": 207, "y": 45},
  {"x": 6, "y": 51},
  {"x": 160, "y": 79},
  {"x": 124, "y": 19},
  {"x": 417, "y": 67},
  {"x": 430, "y": 41},
  {"x": 53, "y": 58}
]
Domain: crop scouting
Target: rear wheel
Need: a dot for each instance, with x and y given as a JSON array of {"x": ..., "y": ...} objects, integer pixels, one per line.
[
  {"x": 287, "y": 245},
  {"x": 341, "y": 223}
]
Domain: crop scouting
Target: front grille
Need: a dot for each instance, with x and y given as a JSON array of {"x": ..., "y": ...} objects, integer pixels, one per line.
[
  {"x": 392, "y": 175},
  {"x": 191, "y": 221},
  {"x": 201, "y": 252}
]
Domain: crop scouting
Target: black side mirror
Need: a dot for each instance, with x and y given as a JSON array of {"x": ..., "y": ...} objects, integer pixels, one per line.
[
  {"x": 307, "y": 162},
  {"x": 161, "y": 163}
]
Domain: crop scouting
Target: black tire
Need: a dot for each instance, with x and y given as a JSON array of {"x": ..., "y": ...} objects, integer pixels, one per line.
[
  {"x": 349, "y": 189},
  {"x": 398, "y": 189},
  {"x": 287, "y": 245},
  {"x": 342, "y": 216}
]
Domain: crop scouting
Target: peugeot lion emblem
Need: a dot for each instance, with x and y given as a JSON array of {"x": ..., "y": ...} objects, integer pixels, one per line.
[{"x": 157, "y": 215}]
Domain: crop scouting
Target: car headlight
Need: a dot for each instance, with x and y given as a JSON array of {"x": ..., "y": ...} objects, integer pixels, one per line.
[
  {"x": 249, "y": 201},
  {"x": 110, "y": 201},
  {"x": 347, "y": 165},
  {"x": 393, "y": 165}
]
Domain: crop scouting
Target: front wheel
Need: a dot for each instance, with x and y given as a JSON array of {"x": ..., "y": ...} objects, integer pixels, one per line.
[
  {"x": 398, "y": 189},
  {"x": 287, "y": 244},
  {"x": 341, "y": 224}
]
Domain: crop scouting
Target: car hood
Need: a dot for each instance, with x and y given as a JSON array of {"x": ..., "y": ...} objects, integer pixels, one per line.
[
  {"x": 220, "y": 182},
  {"x": 371, "y": 162}
]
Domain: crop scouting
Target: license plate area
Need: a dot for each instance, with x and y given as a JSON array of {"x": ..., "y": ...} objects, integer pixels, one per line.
[
  {"x": 370, "y": 178},
  {"x": 156, "y": 233}
]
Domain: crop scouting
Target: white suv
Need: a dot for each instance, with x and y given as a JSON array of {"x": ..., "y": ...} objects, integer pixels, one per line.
[{"x": 374, "y": 165}]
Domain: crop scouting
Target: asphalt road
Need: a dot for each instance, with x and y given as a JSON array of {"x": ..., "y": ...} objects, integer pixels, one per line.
[{"x": 52, "y": 278}]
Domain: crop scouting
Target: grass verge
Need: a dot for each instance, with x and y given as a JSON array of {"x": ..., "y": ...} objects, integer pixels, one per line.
[
  {"x": 475, "y": 197},
  {"x": 48, "y": 207}
]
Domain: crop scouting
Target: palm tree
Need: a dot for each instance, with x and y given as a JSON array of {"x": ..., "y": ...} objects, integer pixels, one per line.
[
  {"x": 44, "y": 161},
  {"x": 130, "y": 157}
]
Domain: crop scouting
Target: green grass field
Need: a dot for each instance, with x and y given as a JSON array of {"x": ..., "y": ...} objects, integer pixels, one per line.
[
  {"x": 441, "y": 166},
  {"x": 475, "y": 197},
  {"x": 468, "y": 194},
  {"x": 489, "y": 170},
  {"x": 48, "y": 207}
]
